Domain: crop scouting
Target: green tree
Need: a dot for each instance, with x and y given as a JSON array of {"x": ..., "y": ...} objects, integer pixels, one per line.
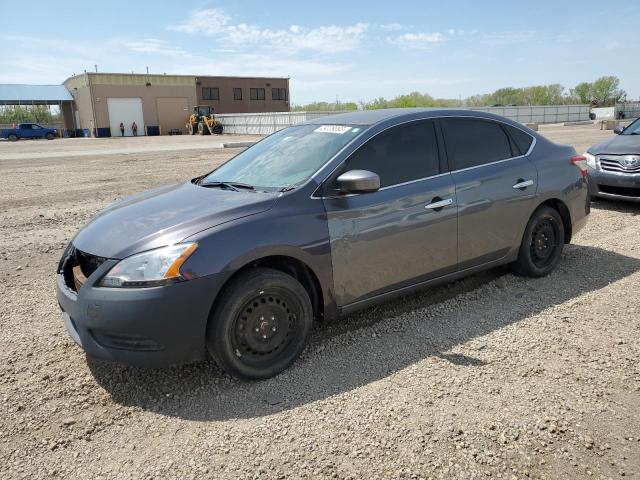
[
  {"x": 582, "y": 92},
  {"x": 606, "y": 90}
]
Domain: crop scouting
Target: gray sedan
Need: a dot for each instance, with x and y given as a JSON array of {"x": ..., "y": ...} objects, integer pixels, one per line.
[
  {"x": 314, "y": 222},
  {"x": 614, "y": 165}
]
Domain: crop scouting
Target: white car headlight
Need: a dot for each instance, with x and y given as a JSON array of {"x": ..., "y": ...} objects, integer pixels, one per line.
[
  {"x": 149, "y": 269},
  {"x": 591, "y": 160}
]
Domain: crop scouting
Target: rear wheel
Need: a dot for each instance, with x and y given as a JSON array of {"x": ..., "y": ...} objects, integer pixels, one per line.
[
  {"x": 192, "y": 129},
  {"x": 542, "y": 244},
  {"x": 13, "y": 137},
  {"x": 260, "y": 325},
  {"x": 217, "y": 129}
]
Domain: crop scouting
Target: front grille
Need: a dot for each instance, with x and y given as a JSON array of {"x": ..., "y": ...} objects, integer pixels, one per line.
[
  {"x": 618, "y": 165},
  {"x": 623, "y": 191},
  {"x": 88, "y": 263},
  {"x": 78, "y": 266}
]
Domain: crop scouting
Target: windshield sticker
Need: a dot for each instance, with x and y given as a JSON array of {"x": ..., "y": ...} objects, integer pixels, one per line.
[{"x": 338, "y": 129}]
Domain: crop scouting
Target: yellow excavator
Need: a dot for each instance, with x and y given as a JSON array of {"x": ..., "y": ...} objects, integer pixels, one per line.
[{"x": 203, "y": 122}]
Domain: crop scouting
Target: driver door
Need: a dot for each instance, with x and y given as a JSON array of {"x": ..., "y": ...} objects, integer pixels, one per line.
[{"x": 402, "y": 234}]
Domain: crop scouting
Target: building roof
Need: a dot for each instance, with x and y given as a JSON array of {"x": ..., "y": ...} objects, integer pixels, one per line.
[{"x": 14, "y": 94}]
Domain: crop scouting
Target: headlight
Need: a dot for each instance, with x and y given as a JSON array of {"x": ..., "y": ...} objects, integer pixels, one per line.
[
  {"x": 149, "y": 269},
  {"x": 591, "y": 160}
]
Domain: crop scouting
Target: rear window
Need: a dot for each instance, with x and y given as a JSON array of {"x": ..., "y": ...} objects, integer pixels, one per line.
[
  {"x": 522, "y": 139},
  {"x": 472, "y": 142}
]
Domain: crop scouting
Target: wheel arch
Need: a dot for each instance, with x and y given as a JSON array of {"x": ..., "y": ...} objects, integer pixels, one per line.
[{"x": 293, "y": 267}]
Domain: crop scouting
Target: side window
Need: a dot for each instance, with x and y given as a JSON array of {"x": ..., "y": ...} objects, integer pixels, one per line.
[
  {"x": 522, "y": 139},
  {"x": 400, "y": 154},
  {"x": 210, "y": 93},
  {"x": 36, "y": 127},
  {"x": 471, "y": 142}
]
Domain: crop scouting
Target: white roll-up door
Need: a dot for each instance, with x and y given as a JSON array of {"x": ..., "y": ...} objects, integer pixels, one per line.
[{"x": 126, "y": 111}]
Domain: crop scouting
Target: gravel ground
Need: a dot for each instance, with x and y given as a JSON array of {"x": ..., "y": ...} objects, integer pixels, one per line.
[{"x": 492, "y": 376}]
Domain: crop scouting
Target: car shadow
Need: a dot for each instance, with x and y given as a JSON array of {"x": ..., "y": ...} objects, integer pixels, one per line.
[{"x": 344, "y": 355}]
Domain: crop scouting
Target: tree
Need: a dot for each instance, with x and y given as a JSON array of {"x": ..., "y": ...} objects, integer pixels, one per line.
[
  {"x": 582, "y": 92},
  {"x": 606, "y": 90}
]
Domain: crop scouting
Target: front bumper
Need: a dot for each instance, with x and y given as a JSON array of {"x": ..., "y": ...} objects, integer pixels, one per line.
[
  {"x": 148, "y": 327},
  {"x": 613, "y": 185}
]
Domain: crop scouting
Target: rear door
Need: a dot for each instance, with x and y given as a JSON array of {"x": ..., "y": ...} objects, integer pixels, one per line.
[
  {"x": 398, "y": 235},
  {"x": 495, "y": 187},
  {"x": 25, "y": 130}
]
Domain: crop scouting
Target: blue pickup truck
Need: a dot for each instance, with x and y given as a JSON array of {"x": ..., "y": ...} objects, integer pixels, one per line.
[{"x": 28, "y": 131}]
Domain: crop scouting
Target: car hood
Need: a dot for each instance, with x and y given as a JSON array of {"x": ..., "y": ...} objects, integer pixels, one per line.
[
  {"x": 618, "y": 145},
  {"x": 164, "y": 216}
]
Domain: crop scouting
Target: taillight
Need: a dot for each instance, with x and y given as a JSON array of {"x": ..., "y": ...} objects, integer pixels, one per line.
[{"x": 580, "y": 161}]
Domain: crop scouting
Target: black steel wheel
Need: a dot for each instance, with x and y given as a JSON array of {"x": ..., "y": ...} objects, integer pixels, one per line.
[
  {"x": 217, "y": 129},
  {"x": 260, "y": 324},
  {"x": 542, "y": 243}
]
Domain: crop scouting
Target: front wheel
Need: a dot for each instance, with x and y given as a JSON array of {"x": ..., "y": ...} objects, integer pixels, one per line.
[
  {"x": 260, "y": 325},
  {"x": 542, "y": 244},
  {"x": 50, "y": 136}
]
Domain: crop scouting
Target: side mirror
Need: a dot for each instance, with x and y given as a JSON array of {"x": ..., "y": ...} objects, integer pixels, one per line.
[
  {"x": 358, "y": 181},
  {"x": 618, "y": 130}
]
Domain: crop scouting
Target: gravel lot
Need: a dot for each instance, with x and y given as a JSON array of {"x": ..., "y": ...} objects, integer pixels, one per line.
[{"x": 492, "y": 376}]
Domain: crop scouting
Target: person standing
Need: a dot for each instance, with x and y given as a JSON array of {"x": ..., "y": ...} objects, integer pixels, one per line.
[
  {"x": 134, "y": 128},
  {"x": 122, "y": 129}
]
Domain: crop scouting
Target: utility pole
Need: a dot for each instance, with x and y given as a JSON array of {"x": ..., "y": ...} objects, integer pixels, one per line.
[{"x": 96, "y": 67}]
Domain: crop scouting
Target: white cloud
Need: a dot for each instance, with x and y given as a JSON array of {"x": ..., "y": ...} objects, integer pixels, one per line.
[
  {"x": 417, "y": 40},
  {"x": 210, "y": 21},
  {"x": 153, "y": 46},
  {"x": 324, "y": 39},
  {"x": 391, "y": 26}
]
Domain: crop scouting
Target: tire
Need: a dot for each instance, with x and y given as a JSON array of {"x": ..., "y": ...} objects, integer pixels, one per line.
[
  {"x": 191, "y": 129},
  {"x": 12, "y": 137},
  {"x": 202, "y": 129},
  {"x": 50, "y": 136},
  {"x": 217, "y": 129},
  {"x": 542, "y": 244},
  {"x": 246, "y": 334}
]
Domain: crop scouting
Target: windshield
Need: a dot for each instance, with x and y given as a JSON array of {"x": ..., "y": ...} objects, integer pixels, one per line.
[
  {"x": 286, "y": 158},
  {"x": 633, "y": 129}
]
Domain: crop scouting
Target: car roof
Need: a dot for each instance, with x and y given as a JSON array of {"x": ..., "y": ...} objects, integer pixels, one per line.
[{"x": 372, "y": 117}]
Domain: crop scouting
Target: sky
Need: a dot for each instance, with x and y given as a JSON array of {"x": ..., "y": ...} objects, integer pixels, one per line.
[{"x": 346, "y": 50}]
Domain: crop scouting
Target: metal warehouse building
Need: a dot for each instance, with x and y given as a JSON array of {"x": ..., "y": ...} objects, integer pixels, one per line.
[{"x": 160, "y": 103}]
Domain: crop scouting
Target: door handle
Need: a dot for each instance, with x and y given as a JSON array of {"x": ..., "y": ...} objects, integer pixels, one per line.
[
  {"x": 522, "y": 184},
  {"x": 438, "y": 203}
]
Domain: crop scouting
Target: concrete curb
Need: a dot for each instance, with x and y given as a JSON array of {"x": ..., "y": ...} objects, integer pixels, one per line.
[{"x": 237, "y": 144}]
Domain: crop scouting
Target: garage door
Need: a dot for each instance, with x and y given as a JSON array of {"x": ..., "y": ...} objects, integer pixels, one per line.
[
  {"x": 173, "y": 113},
  {"x": 127, "y": 111}
]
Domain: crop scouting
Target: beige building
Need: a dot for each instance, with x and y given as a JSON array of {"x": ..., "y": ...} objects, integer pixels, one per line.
[{"x": 157, "y": 104}]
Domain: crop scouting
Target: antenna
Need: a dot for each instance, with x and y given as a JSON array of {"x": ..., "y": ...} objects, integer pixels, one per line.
[{"x": 96, "y": 67}]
